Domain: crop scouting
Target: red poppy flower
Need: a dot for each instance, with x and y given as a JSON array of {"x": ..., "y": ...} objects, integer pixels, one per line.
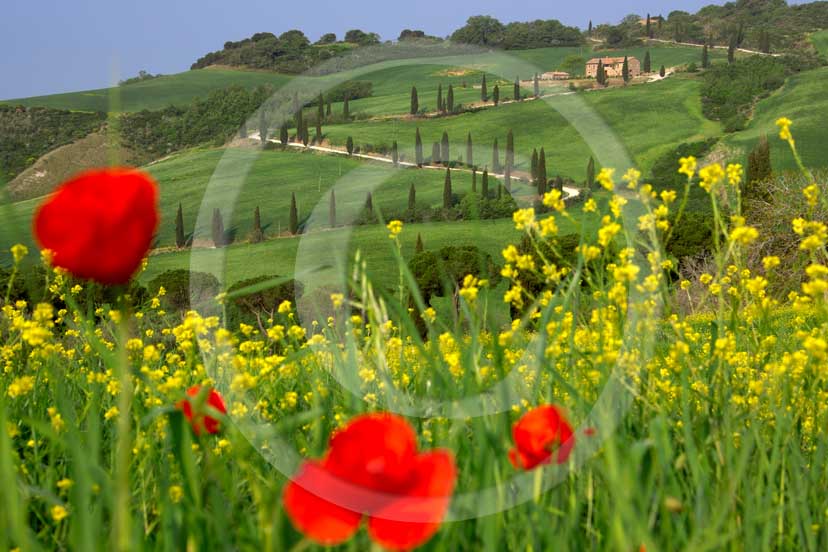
[
  {"x": 99, "y": 225},
  {"x": 198, "y": 419},
  {"x": 538, "y": 434},
  {"x": 372, "y": 468}
]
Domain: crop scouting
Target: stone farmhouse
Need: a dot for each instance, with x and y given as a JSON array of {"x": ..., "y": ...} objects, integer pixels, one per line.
[{"x": 613, "y": 66}]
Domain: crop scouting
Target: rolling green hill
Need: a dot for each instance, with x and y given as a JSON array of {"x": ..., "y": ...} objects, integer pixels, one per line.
[
  {"x": 803, "y": 100},
  {"x": 647, "y": 119},
  {"x": 820, "y": 41},
  {"x": 179, "y": 89}
]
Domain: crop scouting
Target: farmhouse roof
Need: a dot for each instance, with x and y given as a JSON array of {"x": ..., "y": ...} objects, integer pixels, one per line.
[{"x": 608, "y": 60}]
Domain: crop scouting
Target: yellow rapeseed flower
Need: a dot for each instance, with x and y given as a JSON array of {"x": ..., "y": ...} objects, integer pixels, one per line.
[
  {"x": 19, "y": 251},
  {"x": 784, "y": 125},
  {"x": 394, "y": 228},
  {"x": 687, "y": 166}
]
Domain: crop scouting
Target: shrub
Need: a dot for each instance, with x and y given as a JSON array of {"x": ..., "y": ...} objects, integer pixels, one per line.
[
  {"x": 185, "y": 290},
  {"x": 256, "y": 308}
]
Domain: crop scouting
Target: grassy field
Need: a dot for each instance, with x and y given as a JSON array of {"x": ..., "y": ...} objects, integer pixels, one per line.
[
  {"x": 179, "y": 89},
  {"x": 820, "y": 41},
  {"x": 803, "y": 100},
  {"x": 647, "y": 120}
]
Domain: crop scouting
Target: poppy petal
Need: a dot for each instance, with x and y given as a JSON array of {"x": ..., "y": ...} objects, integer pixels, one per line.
[
  {"x": 411, "y": 520},
  {"x": 321, "y": 521},
  {"x": 375, "y": 451},
  {"x": 538, "y": 434}
]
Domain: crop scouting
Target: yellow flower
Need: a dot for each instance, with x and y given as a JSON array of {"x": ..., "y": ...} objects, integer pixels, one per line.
[
  {"x": 176, "y": 494},
  {"x": 811, "y": 194},
  {"x": 735, "y": 172},
  {"x": 59, "y": 513},
  {"x": 394, "y": 228},
  {"x": 688, "y": 166},
  {"x": 285, "y": 307},
  {"x": 20, "y": 387},
  {"x": 430, "y": 315},
  {"x": 65, "y": 484},
  {"x": 632, "y": 176},
  {"x": 19, "y": 251},
  {"x": 784, "y": 125},
  {"x": 337, "y": 299},
  {"x": 111, "y": 413},
  {"x": 590, "y": 206},
  {"x": 710, "y": 176},
  {"x": 604, "y": 178},
  {"x": 554, "y": 200},
  {"x": 771, "y": 262},
  {"x": 524, "y": 219}
]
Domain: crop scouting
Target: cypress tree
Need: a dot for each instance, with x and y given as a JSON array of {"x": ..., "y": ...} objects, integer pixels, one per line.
[
  {"x": 418, "y": 149},
  {"x": 496, "y": 95},
  {"x": 349, "y": 145},
  {"x": 257, "y": 235},
  {"x": 283, "y": 134},
  {"x": 705, "y": 63},
  {"x": 305, "y": 134},
  {"x": 262, "y": 126},
  {"x": 516, "y": 92},
  {"x": 731, "y": 50},
  {"x": 419, "y": 247},
  {"x": 369, "y": 203},
  {"x": 300, "y": 125},
  {"x": 484, "y": 92},
  {"x": 328, "y": 111},
  {"x": 293, "y": 224},
  {"x": 469, "y": 151},
  {"x": 180, "y": 240},
  {"x": 559, "y": 183},
  {"x": 590, "y": 174},
  {"x": 320, "y": 112},
  {"x": 534, "y": 170},
  {"x": 412, "y": 198},
  {"x": 507, "y": 179},
  {"x": 649, "y": 27},
  {"x": 625, "y": 70},
  {"x": 318, "y": 137},
  {"x": 600, "y": 76},
  {"x": 440, "y": 106},
  {"x": 589, "y": 29},
  {"x": 346, "y": 109},
  {"x": 218, "y": 228},
  {"x": 415, "y": 101},
  {"x": 662, "y": 72},
  {"x": 510, "y": 149},
  {"x": 450, "y": 99},
  {"x": 395, "y": 154},
  {"x": 648, "y": 63},
  {"x": 537, "y": 86},
  {"x": 484, "y": 185},
  {"x": 445, "y": 154},
  {"x": 495, "y": 157},
  {"x": 542, "y": 172},
  {"x": 447, "y": 190},
  {"x": 332, "y": 210},
  {"x": 499, "y": 190},
  {"x": 435, "y": 154},
  {"x": 474, "y": 180}
]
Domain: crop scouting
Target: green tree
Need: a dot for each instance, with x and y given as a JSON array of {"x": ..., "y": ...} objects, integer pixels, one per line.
[
  {"x": 395, "y": 154},
  {"x": 510, "y": 149},
  {"x": 293, "y": 225},
  {"x": 349, "y": 145},
  {"x": 534, "y": 165},
  {"x": 600, "y": 75},
  {"x": 218, "y": 228},
  {"x": 262, "y": 126},
  {"x": 474, "y": 180},
  {"x": 369, "y": 203},
  {"x": 516, "y": 92},
  {"x": 346, "y": 109},
  {"x": 507, "y": 178},
  {"x": 305, "y": 134},
  {"x": 320, "y": 112},
  {"x": 447, "y": 199},
  {"x": 332, "y": 210},
  {"x": 495, "y": 157},
  {"x": 484, "y": 184},
  {"x": 625, "y": 70},
  {"x": 705, "y": 57},
  {"x": 257, "y": 234},
  {"x": 435, "y": 153},
  {"x": 415, "y": 102},
  {"x": 590, "y": 174},
  {"x": 318, "y": 137},
  {"x": 440, "y": 106},
  {"x": 662, "y": 72},
  {"x": 496, "y": 95},
  {"x": 328, "y": 110},
  {"x": 469, "y": 151},
  {"x": 536, "y": 86},
  {"x": 542, "y": 178},
  {"x": 418, "y": 148},
  {"x": 180, "y": 240},
  {"x": 648, "y": 63},
  {"x": 731, "y": 50},
  {"x": 759, "y": 167},
  {"x": 412, "y": 198},
  {"x": 589, "y": 29},
  {"x": 445, "y": 155},
  {"x": 419, "y": 247},
  {"x": 283, "y": 134},
  {"x": 484, "y": 92},
  {"x": 450, "y": 99}
]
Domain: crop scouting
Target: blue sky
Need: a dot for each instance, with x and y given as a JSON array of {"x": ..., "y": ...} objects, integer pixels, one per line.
[{"x": 55, "y": 46}]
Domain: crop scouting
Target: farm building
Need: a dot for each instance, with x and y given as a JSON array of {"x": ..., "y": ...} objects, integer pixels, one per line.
[
  {"x": 555, "y": 75},
  {"x": 613, "y": 66}
]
